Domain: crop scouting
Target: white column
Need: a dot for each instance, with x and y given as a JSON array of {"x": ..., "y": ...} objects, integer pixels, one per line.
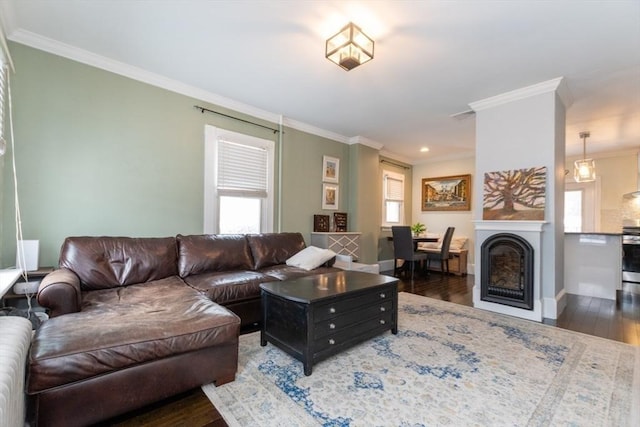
[{"x": 521, "y": 129}]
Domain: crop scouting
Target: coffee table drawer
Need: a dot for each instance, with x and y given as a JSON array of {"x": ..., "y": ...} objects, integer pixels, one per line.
[
  {"x": 335, "y": 308},
  {"x": 353, "y": 333},
  {"x": 338, "y": 323}
]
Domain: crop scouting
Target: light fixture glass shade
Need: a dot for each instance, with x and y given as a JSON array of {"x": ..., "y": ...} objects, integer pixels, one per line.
[
  {"x": 584, "y": 170},
  {"x": 350, "y": 47}
]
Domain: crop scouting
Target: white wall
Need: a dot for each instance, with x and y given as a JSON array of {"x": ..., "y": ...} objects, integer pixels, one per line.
[{"x": 437, "y": 222}]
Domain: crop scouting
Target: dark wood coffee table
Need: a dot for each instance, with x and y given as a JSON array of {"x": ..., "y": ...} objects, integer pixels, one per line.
[{"x": 314, "y": 317}]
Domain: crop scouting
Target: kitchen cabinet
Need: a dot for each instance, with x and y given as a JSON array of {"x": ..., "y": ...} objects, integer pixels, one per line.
[{"x": 593, "y": 264}]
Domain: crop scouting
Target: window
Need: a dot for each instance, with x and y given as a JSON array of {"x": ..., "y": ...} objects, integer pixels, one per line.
[
  {"x": 238, "y": 195},
  {"x": 581, "y": 207},
  {"x": 392, "y": 198},
  {"x": 573, "y": 211}
]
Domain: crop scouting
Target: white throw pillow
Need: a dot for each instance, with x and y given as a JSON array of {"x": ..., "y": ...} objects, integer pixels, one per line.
[{"x": 310, "y": 257}]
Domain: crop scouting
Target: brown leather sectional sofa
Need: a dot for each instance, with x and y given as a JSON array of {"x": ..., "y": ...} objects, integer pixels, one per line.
[{"x": 136, "y": 320}]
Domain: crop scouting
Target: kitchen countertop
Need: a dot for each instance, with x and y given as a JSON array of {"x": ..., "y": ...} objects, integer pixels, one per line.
[{"x": 596, "y": 233}]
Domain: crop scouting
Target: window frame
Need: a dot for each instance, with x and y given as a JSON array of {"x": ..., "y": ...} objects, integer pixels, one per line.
[
  {"x": 399, "y": 177},
  {"x": 213, "y": 135},
  {"x": 590, "y": 203}
]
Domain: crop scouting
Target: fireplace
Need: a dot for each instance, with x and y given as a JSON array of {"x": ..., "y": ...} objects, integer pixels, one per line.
[{"x": 507, "y": 271}]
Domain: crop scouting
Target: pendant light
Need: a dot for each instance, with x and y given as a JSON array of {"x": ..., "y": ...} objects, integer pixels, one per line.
[{"x": 584, "y": 170}]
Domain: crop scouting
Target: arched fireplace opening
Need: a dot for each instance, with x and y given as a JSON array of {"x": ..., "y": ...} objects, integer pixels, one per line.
[{"x": 507, "y": 271}]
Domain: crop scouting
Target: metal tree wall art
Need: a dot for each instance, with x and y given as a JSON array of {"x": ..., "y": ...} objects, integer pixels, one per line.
[{"x": 515, "y": 194}]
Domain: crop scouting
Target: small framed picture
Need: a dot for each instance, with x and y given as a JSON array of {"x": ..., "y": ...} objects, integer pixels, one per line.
[
  {"x": 330, "y": 169},
  {"x": 329, "y": 196},
  {"x": 340, "y": 221},
  {"x": 321, "y": 223}
]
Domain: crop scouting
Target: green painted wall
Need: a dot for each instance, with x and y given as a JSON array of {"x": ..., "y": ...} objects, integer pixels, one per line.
[
  {"x": 102, "y": 154},
  {"x": 302, "y": 186},
  {"x": 366, "y": 209}
]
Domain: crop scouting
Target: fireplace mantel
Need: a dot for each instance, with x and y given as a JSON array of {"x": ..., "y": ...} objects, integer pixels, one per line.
[{"x": 510, "y": 225}]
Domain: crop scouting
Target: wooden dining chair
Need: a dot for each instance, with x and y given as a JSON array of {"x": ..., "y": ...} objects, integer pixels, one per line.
[
  {"x": 403, "y": 249},
  {"x": 443, "y": 255}
]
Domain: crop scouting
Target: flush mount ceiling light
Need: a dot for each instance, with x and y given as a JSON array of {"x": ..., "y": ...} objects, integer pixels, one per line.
[
  {"x": 584, "y": 170},
  {"x": 350, "y": 47}
]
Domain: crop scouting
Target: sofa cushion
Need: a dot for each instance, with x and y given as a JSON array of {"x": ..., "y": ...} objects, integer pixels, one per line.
[
  {"x": 125, "y": 327},
  {"x": 274, "y": 248},
  {"x": 229, "y": 287},
  {"x": 199, "y": 254},
  {"x": 107, "y": 262}
]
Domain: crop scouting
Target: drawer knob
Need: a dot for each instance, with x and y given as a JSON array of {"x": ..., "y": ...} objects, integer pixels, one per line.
[
  {"x": 332, "y": 326},
  {"x": 382, "y": 295},
  {"x": 383, "y": 309},
  {"x": 332, "y": 310},
  {"x": 332, "y": 341},
  {"x": 382, "y": 322}
]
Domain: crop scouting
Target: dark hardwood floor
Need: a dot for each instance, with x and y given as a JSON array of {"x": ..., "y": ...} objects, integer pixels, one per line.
[{"x": 618, "y": 321}]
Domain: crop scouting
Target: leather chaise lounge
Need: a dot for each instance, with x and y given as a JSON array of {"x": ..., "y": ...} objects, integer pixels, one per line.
[{"x": 136, "y": 320}]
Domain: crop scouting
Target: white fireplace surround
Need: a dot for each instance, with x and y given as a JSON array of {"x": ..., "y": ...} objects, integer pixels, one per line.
[{"x": 531, "y": 231}]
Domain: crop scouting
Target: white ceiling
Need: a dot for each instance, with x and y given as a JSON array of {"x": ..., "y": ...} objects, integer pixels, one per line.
[{"x": 432, "y": 58}]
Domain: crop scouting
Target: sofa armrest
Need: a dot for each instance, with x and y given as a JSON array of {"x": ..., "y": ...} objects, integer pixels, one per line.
[{"x": 59, "y": 292}]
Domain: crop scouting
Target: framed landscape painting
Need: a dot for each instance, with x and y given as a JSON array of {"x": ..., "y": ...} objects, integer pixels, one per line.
[
  {"x": 446, "y": 193},
  {"x": 515, "y": 195}
]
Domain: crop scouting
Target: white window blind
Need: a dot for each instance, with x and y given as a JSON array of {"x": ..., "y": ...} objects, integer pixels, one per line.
[
  {"x": 394, "y": 189},
  {"x": 392, "y": 199},
  {"x": 242, "y": 170}
]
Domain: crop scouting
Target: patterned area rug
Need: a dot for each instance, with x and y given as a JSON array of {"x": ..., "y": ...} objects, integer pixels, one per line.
[{"x": 448, "y": 365}]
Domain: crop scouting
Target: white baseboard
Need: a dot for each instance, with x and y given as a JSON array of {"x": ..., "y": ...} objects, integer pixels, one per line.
[{"x": 553, "y": 307}]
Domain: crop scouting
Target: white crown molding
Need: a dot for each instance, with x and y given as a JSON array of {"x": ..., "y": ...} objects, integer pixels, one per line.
[
  {"x": 304, "y": 127},
  {"x": 83, "y": 56},
  {"x": 554, "y": 85},
  {"x": 564, "y": 93},
  {"x": 365, "y": 141}
]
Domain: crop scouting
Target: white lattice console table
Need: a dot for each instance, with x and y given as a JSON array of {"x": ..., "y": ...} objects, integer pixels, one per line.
[{"x": 343, "y": 243}]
